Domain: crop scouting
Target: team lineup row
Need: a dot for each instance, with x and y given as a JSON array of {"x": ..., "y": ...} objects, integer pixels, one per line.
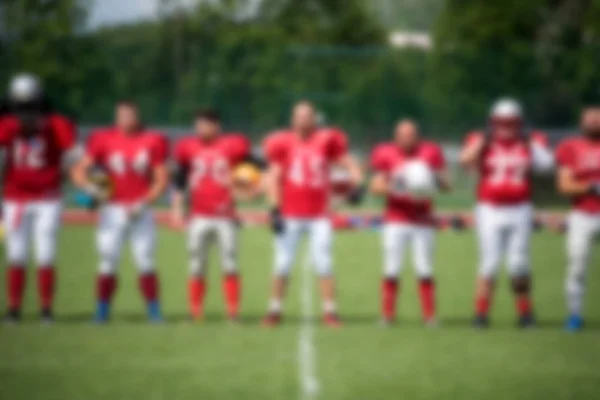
[{"x": 124, "y": 169}]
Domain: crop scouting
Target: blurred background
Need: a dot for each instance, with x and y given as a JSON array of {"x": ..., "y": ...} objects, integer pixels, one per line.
[{"x": 364, "y": 63}]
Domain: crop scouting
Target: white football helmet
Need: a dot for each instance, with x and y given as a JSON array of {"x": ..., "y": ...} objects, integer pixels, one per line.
[
  {"x": 419, "y": 179},
  {"x": 506, "y": 108},
  {"x": 24, "y": 88}
]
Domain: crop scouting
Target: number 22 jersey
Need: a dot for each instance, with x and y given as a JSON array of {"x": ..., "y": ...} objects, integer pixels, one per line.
[{"x": 305, "y": 163}]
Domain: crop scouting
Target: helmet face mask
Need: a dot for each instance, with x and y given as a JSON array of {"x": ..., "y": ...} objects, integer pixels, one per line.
[{"x": 506, "y": 119}]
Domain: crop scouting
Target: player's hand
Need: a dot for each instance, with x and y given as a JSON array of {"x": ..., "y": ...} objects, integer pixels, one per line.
[
  {"x": 177, "y": 221},
  {"x": 136, "y": 210},
  {"x": 595, "y": 188},
  {"x": 97, "y": 192},
  {"x": 277, "y": 223},
  {"x": 356, "y": 196},
  {"x": 397, "y": 185}
]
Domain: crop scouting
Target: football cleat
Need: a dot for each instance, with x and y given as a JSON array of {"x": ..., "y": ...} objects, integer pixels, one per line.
[
  {"x": 432, "y": 322},
  {"x": 102, "y": 312},
  {"x": 332, "y": 320},
  {"x": 387, "y": 322},
  {"x": 481, "y": 322},
  {"x": 154, "y": 314},
  {"x": 272, "y": 319},
  {"x": 46, "y": 316},
  {"x": 574, "y": 323},
  {"x": 526, "y": 321},
  {"x": 12, "y": 317}
]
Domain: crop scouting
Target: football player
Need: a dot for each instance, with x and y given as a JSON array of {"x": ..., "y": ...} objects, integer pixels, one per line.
[
  {"x": 407, "y": 220},
  {"x": 134, "y": 159},
  {"x": 38, "y": 143},
  {"x": 579, "y": 178},
  {"x": 204, "y": 167},
  {"x": 505, "y": 157},
  {"x": 298, "y": 189}
]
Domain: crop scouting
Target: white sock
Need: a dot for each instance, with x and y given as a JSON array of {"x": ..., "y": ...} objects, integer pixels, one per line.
[
  {"x": 575, "y": 293},
  {"x": 329, "y": 306},
  {"x": 275, "y": 306}
]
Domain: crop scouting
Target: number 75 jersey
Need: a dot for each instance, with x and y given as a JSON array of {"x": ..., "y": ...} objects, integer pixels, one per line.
[{"x": 305, "y": 164}]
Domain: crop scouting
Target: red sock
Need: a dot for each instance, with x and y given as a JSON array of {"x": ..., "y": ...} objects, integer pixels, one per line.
[
  {"x": 482, "y": 305},
  {"x": 427, "y": 295},
  {"x": 523, "y": 303},
  {"x": 46, "y": 283},
  {"x": 231, "y": 289},
  {"x": 196, "y": 291},
  {"x": 149, "y": 286},
  {"x": 105, "y": 287},
  {"x": 389, "y": 292},
  {"x": 15, "y": 282}
]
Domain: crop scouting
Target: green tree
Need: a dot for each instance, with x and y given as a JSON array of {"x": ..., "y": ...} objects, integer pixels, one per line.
[{"x": 40, "y": 36}]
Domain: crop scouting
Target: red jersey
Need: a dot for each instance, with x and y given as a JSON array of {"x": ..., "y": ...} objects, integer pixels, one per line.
[
  {"x": 306, "y": 166},
  {"x": 128, "y": 160},
  {"x": 582, "y": 157},
  {"x": 505, "y": 169},
  {"x": 210, "y": 164},
  {"x": 33, "y": 164},
  {"x": 389, "y": 159}
]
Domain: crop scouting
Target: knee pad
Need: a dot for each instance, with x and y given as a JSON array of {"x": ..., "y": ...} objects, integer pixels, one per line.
[{"x": 106, "y": 267}]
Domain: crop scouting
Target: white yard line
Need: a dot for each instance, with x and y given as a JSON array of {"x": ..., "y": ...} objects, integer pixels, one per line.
[{"x": 309, "y": 384}]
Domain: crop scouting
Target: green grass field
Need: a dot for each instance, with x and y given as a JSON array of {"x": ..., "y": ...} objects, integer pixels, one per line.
[{"x": 129, "y": 359}]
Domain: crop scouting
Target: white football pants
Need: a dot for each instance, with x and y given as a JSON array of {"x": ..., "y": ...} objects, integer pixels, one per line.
[
  {"x": 36, "y": 221},
  {"x": 504, "y": 232},
  {"x": 396, "y": 236},
  {"x": 201, "y": 232},
  {"x": 114, "y": 228},
  {"x": 320, "y": 234},
  {"x": 582, "y": 230}
]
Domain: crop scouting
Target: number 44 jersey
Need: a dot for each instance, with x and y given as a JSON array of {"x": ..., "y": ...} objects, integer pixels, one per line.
[
  {"x": 210, "y": 165},
  {"x": 506, "y": 166},
  {"x": 33, "y": 163},
  {"x": 305, "y": 163},
  {"x": 128, "y": 160}
]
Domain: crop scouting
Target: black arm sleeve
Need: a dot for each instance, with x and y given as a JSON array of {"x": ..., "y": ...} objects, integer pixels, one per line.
[
  {"x": 256, "y": 160},
  {"x": 180, "y": 176}
]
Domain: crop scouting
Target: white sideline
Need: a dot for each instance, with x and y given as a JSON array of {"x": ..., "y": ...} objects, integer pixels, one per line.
[{"x": 309, "y": 384}]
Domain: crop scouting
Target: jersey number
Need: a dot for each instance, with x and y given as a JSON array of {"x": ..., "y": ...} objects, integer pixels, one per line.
[
  {"x": 508, "y": 168},
  {"x": 217, "y": 170},
  {"x": 118, "y": 164},
  {"x": 29, "y": 154},
  {"x": 307, "y": 172}
]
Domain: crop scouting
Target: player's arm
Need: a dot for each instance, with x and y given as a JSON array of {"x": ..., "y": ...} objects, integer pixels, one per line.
[
  {"x": 379, "y": 185},
  {"x": 542, "y": 157},
  {"x": 442, "y": 178},
  {"x": 272, "y": 185},
  {"x": 179, "y": 178},
  {"x": 160, "y": 180},
  {"x": 80, "y": 177},
  {"x": 351, "y": 164},
  {"x": 569, "y": 185},
  {"x": 471, "y": 153}
]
